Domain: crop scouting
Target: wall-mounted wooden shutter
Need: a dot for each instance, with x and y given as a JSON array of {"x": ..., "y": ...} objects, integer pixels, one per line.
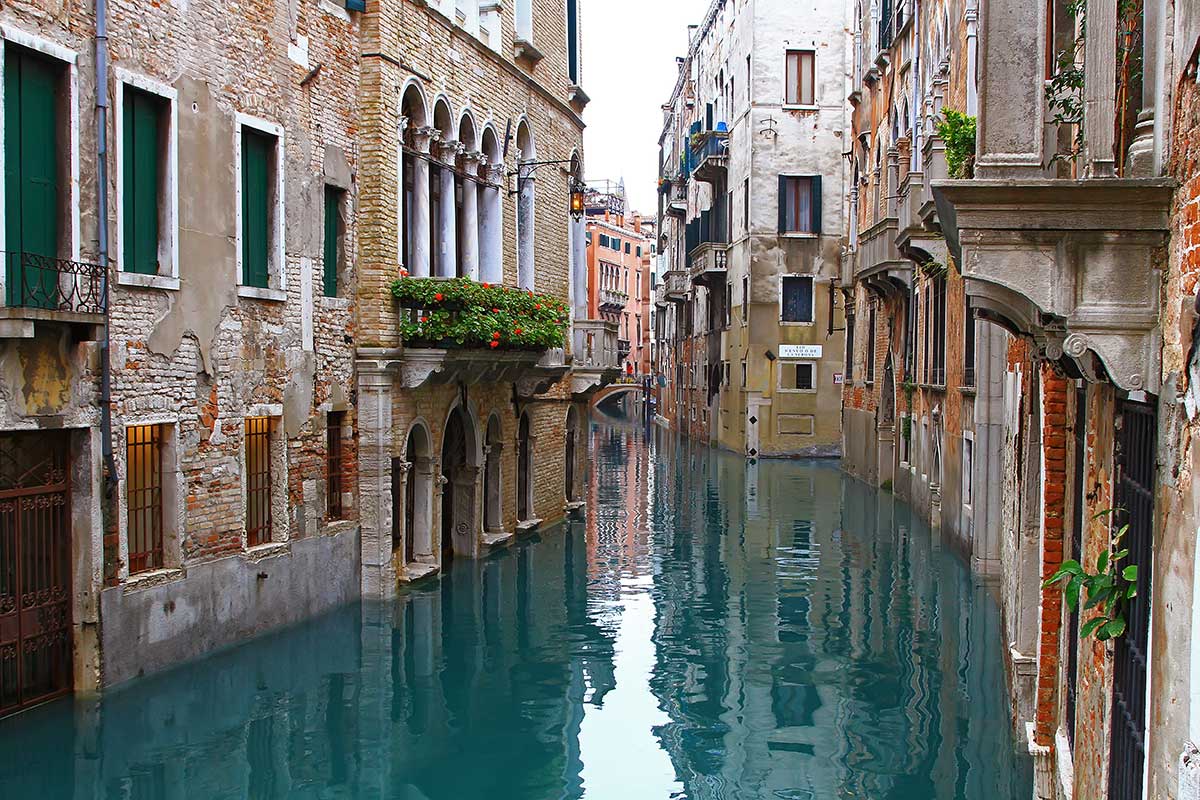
[
  {"x": 332, "y": 236},
  {"x": 815, "y": 200},
  {"x": 783, "y": 185},
  {"x": 141, "y": 136},
  {"x": 256, "y": 155}
]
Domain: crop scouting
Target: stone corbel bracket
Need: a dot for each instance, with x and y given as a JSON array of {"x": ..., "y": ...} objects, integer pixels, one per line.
[{"x": 1073, "y": 264}]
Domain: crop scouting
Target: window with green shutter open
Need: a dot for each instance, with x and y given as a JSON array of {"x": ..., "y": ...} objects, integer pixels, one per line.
[
  {"x": 333, "y": 238},
  {"x": 143, "y": 124},
  {"x": 257, "y": 153}
]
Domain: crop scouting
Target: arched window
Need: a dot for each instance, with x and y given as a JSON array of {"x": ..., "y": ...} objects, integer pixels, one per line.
[
  {"x": 526, "y": 154},
  {"x": 458, "y": 492},
  {"x": 491, "y": 209},
  {"x": 414, "y": 184},
  {"x": 467, "y": 200},
  {"x": 524, "y": 471},
  {"x": 412, "y": 479},
  {"x": 492, "y": 493},
  {"x": 442, "y": 195}
]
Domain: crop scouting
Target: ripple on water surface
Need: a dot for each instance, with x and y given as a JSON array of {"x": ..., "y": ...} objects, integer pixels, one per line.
[{"x": 712, "y": 630}]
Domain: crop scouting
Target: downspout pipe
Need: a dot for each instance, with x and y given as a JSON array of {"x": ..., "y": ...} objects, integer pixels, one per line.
[{"x": 101, "y": 89}]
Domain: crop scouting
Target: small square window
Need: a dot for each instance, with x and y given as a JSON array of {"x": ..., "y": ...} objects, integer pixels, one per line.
[
  {"x": 258, "y": 481},
  {"x": 144, "y": 497},
  {"x": 804, "y": 376}
]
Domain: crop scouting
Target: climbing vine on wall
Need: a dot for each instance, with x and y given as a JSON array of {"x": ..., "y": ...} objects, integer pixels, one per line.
[{"x": 957, "y": 130}]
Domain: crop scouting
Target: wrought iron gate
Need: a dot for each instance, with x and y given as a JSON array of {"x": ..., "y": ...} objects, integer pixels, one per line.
[
  {"x": 1134, "y": 496},
  {"x": 35, "y": 570}
]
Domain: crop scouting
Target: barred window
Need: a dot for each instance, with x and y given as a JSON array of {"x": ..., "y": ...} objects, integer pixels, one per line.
[
  {"x": 258, "y": 481},
  {"x": 334, "y": 464},
  {"x": 143, "y": 497}
]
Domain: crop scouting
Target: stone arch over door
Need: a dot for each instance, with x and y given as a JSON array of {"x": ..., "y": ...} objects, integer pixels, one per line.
[
  {"x": 459, "y": 481},
  {"x": 414, "y": 483},
  {"x": 493, "y": 493}
]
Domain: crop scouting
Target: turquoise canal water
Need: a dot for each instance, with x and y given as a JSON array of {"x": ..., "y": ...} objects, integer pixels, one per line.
[{"x": 711, "y": 630}]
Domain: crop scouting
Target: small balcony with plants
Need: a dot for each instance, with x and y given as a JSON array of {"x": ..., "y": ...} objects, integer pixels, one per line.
[
  {"x": 707, "y": 248},
  {"x": 456, "y": 330}
]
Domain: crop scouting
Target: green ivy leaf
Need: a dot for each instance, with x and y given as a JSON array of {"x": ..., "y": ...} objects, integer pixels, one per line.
[
  {"x": 1130, "y": 573},
  {"x": 1090, "y": 626},
  {"x": 1114, "y": 628}
]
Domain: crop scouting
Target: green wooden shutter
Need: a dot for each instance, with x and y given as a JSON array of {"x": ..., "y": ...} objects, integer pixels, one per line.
[
  {"x": 31, "y": 131},
  {"x": 256, "y": 155},
  {"x": 142, "y": 168},
  {"x": 783, "y": 203},
  {"x": 333, "y": 199},
  {"x": 815, "y": 202}
]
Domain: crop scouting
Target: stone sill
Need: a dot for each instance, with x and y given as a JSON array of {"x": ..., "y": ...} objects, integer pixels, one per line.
[
  {"x": 268, "y": 550},
  {"x": 417, "y": 570},
  {"x": 137, "y": 280},
  {"x": 495, "y": 539},
  {"x": 257, "y": 293},
  {"x": 528, "y": 526},
  {"x": 335, "y": 527},
  {"x": 148, "y": 580}
]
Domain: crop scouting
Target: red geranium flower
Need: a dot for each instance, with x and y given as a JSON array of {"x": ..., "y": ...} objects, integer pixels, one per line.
[
  {"x": 495, "y": 311},
  {"x": 495, "y": 334},
  {"x": 487, "y": 286},
  {"x": 537, "y": 306},
  {"x": 517, "y": 331},
  {"x": 438, "y": 297},
  {"x": 424, "y": 319},
  {"x": 495, "y": 344}
]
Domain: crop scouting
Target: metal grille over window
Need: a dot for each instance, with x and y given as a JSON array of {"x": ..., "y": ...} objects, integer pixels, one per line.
[
  {"x": 334, "y": 461},
  {"x": 143, "y": 497},
  {"x": 258, "y": 481}
]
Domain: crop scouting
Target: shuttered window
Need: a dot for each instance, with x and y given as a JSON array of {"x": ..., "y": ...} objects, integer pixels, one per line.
[
  {"x": 31, "y": 147},
  {"x": 333, "y": 238},
  {"x": 797, "y": 298},
  {"x": 801, "y": 78},
  {"x": 800, "y": 204},
  {"x": 142, "y": 121},
  {"x": 257, "y": 151}
]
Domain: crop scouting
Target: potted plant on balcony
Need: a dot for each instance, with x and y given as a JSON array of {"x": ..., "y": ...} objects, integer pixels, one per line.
[{"x": 460, "y": 313}]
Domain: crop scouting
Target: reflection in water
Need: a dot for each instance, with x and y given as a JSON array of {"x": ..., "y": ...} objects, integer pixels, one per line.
[{"x": 714, "y": 630}]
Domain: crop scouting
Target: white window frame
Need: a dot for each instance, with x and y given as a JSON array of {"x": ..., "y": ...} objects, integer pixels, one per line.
[
  {"x": 967, "y": 470},
  {"x": 798, "y": 362},
  {"x": 277, "y": 269},
  {"x": 816, "y": 104},
  {"x": 779, "y": 293},
  {"x": 70, "y": 59},
  {"x": 170, "y": 230}
]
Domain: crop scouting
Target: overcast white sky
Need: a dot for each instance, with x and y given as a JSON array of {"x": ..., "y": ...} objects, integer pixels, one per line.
[{"x": 629, "y": 50}]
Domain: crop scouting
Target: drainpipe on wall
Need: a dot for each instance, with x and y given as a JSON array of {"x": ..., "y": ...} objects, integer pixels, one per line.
[{"x": 102, "y": 242}]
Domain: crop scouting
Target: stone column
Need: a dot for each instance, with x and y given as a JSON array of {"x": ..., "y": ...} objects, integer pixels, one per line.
[
  {"x": 470, "y": 216},
  {"x": 1100, "y": 90},
  {"x": 401, "y": 127},
  {"x": 1012, "y": 103},
  {"x": 893, "y": 180},
  {"x": 419, "y": 229},
  {"x": 447, "y": 259},
  {"x": 491, "y": 225},
  {"x": 374, "y": 474},
  {"x": 401, "y": 506},
  {"x": 439, "y": 487},
  {"x": 971, "y": 15},
  {"x": 525, "y": 226},
  {"x": 579, "y": 269},
  {"x": 424, "y": 519}
]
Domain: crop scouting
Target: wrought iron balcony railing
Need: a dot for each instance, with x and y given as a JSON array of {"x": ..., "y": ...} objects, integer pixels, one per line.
[{"x": 54, "y": 284}]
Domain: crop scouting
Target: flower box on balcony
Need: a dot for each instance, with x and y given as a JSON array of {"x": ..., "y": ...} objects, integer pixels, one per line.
[{"x": 460, "y": 313}]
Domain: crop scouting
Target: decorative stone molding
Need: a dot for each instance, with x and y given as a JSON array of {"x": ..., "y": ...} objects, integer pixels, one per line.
[
  {"x": 448, "y": 150},
  {"x": 1072, "y": 264}
]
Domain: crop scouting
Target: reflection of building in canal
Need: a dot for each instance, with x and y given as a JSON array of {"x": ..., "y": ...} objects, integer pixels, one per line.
[
  {"x": 817, "y": 637},
  {"x": 501, "y": 651},
  {"x": 618, "y": 524}
]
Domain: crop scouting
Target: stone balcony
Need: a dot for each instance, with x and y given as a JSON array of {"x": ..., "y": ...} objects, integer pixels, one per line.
[
  {"x": 878, "y": 262},
  {"x": 42, "y": 289},
  {"x": 612, "y": 300},
  {"x": 677, "y": 285},
  {"x": 1071, "y": 263},
  {"x": 709, "y": 263},
  {"x": 595, "y": 358}
]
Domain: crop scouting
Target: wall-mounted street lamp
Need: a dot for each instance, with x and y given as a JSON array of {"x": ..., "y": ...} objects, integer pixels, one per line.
[{"x": 576, "y": 187}]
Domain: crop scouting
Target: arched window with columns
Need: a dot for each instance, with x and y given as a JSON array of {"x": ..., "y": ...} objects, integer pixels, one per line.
[
  {"x": 413, "y": 192},
  {"x": 414, "y": 483},
  {"x": 526, "y": 153},
  {"x": 468, "y": 198},
  {"x": 491, "y": 209},
  {"x": 442, "y": 202}
]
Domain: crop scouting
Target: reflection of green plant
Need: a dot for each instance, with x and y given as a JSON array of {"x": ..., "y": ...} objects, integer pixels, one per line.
[
  {"x": 906, "y": 428},
  {"x": 461, "y": 312},
  {"x": 886, "y": 485},
  {"x": 957, "y": 130},
  {"x": 1107, "y": 590}
]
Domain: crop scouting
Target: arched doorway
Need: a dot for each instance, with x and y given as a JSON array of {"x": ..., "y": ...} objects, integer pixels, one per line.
[
  {"x": 412, "y": 479},
  {"x": 458, "y": 492},
  {"x": 524, "y": 471},
  {"x": 572, "y": 438},
  {"x": 491, "y": 476}
]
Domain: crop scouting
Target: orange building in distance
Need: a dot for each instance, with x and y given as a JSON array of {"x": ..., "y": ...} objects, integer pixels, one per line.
[{"x": 618, "y": 262}]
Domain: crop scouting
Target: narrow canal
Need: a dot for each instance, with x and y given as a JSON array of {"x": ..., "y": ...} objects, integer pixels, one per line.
[{"x": 710, "y": 630}]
